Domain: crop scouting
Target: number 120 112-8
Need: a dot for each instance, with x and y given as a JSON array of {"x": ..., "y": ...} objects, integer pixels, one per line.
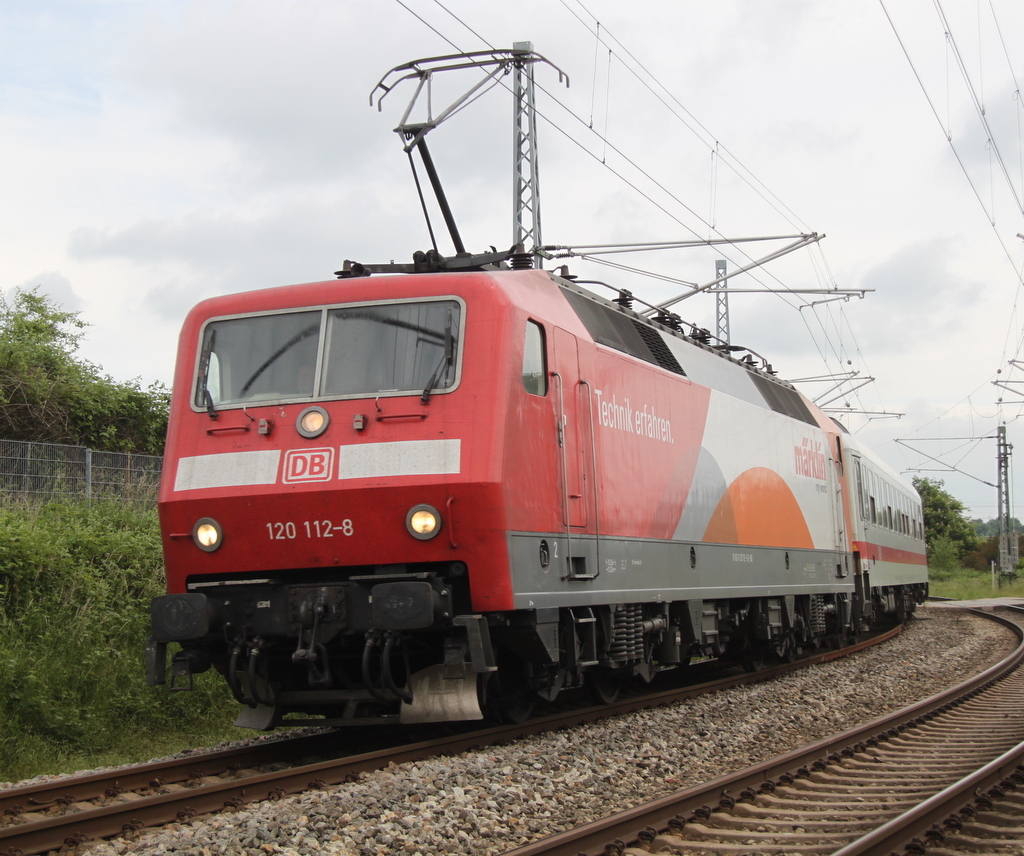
[{"x": 288, "y": 531}]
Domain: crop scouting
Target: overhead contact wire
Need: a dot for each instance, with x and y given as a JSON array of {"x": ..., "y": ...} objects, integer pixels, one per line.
[
  {"x": 708, "y": 139},
  {"x": 737, "y": 167},
  {"x": 607, "y": 144}
]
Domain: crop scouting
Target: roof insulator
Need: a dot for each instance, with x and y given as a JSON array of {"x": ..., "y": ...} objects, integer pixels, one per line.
[
  {"x": 625, "y": 298},
  {"x": 520, "y": 259}
]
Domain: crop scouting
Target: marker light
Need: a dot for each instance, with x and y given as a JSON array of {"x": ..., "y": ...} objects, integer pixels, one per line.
[
  {"x": 423, "y": 522},
  {"x": 313, "y": 421},
  {"x": 207, "y": 534}
]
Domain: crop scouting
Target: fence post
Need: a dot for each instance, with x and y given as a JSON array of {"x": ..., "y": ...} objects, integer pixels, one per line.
[{"x": 88, "y": 474}]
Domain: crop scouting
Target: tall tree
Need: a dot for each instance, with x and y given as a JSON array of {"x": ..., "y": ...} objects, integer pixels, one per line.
[
  {"x": 48, "y": 393},
  {"x": 945, "y": 516}
]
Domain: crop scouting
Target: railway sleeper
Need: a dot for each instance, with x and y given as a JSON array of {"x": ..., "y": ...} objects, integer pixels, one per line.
[
  {"x": 781, "y": 810},
  {"x": 827, "y": 800},
  {"x": 837, "y": 823}
]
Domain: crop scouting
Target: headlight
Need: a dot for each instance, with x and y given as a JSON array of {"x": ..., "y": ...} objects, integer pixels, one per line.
[
  {"x": 313, "y": 421},
  {"x": 207, "y": 534},
  {"x": 423, "y": 522}
]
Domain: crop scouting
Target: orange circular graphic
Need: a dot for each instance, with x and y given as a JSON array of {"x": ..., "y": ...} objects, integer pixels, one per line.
[{"x": 759, "y": 509}]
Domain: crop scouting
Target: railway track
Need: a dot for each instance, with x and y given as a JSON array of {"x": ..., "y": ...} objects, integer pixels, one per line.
[
  {"x": 67, "y": 812},
  {"x": 944, "y": 776}
]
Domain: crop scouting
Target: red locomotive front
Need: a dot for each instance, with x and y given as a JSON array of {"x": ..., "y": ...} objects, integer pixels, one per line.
[{"x": 334, "y": 484}]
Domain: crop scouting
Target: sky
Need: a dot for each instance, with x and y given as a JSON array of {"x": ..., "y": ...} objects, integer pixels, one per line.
[{"x": 154, "y": 153}]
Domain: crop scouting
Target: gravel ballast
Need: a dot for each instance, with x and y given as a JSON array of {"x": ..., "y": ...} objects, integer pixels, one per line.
[{"x": 497, "y": 798}]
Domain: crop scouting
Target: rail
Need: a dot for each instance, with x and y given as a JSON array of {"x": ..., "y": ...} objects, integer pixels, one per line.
[
  {"x": 182, "y": 788},
  {"x": 641, "y": 826}
]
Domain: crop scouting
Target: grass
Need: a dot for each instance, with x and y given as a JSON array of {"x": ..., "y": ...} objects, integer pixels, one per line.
[
  {"x": 967, "y": 584},
  {"x": 75, "y": 584}
]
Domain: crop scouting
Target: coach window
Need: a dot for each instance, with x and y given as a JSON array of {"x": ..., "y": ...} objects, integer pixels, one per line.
[
  {"x": 535, "y": 374},
  {"x": 862, "y": 494}
]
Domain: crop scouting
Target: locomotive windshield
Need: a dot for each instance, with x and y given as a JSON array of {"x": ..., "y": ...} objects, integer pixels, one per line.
[
  {"x": 397, "y": 347},
  {"x": 339, "y": 352}
]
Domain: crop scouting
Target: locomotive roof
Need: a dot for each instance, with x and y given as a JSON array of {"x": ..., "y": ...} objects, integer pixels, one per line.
[{"x": 616, "y": 325}]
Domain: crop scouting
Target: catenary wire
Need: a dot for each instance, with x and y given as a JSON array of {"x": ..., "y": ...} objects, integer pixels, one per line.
[
  {"x": 716, "y": 148},
  {"x": 606, "y": 144},
  {"x": 949, "y": 139},
  {"x": 703, "y": 133}
]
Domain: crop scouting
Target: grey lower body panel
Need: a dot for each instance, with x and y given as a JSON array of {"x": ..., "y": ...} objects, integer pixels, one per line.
[{"x": 552, "y": 570}]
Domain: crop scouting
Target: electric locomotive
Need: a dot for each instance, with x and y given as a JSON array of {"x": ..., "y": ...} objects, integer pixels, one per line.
[{"x": 451, "y": 490}]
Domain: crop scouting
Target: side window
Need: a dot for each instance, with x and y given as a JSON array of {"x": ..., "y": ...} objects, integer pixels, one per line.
[
  {"x": 535, "y": 373},
  {"x": 862, "y": 503},
  {"x": 213, "y": 380}
]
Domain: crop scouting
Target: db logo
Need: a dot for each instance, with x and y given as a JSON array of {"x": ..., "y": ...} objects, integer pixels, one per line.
[{"x": 307, "y": 465}]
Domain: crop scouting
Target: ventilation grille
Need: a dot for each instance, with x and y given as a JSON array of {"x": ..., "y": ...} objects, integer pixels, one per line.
[
  {"x": 659, "y": 350},
  {"x": 613, "y": 328},
  {"x": 782, "y": 399}
]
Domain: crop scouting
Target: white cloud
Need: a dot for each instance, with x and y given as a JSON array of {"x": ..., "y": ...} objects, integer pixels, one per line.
[{"x": 54, "y": 285}]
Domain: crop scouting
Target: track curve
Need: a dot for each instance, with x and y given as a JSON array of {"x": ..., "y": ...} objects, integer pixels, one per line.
[
  {"x": 801, "y": 802},
  {"x": 41, "y": 817}
]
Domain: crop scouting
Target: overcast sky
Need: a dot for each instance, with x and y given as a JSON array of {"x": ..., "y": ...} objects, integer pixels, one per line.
[{"x": 156, "y": 153}]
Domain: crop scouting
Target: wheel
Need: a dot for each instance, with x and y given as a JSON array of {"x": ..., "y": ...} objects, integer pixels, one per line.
[
  {"x": 602, "y": 686},
  {"x": 517, "y": 708},
  {"x": 510, "y": 695},
  {"x": 786, "y": 649},
  {"x": 752, "y": 658}
]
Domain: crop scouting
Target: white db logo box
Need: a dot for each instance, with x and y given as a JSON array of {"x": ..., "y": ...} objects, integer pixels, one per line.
[{"x": 308, "y": 465}]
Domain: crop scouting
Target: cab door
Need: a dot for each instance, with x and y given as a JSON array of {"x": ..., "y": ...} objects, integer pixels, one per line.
[
  {"x": 566, "y": 377},
  {"x": 574, "y": 431},
  {"x": 836, "y": 479}
]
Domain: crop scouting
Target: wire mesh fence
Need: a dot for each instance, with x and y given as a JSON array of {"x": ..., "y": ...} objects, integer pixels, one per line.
[{"x": 49, "y": 470}]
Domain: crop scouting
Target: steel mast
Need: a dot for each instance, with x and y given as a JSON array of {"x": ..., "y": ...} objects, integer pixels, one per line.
[
  {"x": 525, "y": 176},
  {"x": 722, "y": 303},
  {"x": 1009, "y": 551}
]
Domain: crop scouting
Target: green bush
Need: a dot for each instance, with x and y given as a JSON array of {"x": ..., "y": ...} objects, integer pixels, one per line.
[
  {"x": 943, "y": 558},
  {"x": 945, "y": 517},
  {"x": 50, "y": 394},
  {"x": 75, "y": 584}
]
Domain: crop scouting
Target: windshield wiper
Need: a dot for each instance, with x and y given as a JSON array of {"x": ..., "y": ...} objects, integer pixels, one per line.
[
  {"x": 204, "y": 373},
  {"x": 446, "y": 360}
]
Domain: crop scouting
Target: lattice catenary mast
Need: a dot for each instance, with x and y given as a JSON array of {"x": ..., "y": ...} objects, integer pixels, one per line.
[
  {"x": 1009, "y": 548},
  {"x": 525, "y": 176}
]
